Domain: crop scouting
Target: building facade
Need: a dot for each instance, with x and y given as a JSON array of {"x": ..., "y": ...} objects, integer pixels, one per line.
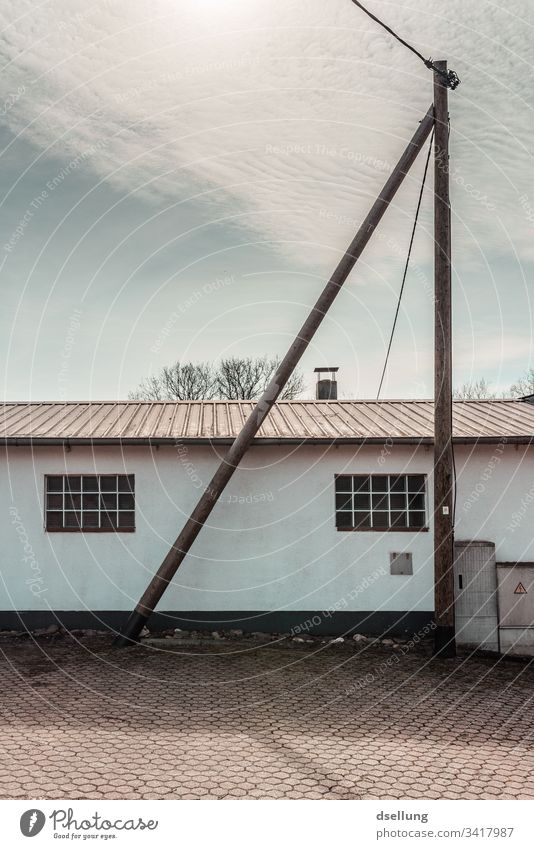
[{"x": 327, "y": 525}]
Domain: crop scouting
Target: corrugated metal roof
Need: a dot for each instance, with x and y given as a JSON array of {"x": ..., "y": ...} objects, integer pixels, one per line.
[{"x": 352, "y": 421}]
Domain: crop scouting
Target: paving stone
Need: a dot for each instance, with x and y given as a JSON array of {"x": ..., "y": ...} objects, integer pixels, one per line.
[{"x": 85, "y": 721}]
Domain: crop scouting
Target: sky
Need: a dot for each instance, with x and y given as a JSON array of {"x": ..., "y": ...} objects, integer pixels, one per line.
[{"x": 178, "y": 179}]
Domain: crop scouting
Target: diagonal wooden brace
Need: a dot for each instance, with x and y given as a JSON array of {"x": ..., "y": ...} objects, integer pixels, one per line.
[{"x": 242, "y": 442}]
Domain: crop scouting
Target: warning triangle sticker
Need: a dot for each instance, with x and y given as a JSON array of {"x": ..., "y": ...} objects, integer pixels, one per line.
[{"x": 520, "y": 590}]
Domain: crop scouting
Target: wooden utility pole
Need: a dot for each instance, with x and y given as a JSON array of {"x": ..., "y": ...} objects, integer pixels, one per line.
[
  {"x": 239, "y": 447},
  {"x": 444, "y": 635}
]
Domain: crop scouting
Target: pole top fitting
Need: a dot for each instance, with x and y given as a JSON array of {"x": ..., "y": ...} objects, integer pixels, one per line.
[{"x": 450, "y": 77}]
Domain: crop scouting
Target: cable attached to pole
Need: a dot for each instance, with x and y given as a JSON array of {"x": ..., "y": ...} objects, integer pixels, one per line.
[
  {"x": 407, "y": 263},
  {"x": 451, "y": 78}
]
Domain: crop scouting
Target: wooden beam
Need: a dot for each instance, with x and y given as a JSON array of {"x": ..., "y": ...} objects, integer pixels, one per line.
[
  {"x": 444, "y": 635},
  {"x": 194, "y": 524}
]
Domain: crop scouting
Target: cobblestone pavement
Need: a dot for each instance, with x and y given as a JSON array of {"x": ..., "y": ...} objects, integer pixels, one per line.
[{"x": 80, "y": 720}]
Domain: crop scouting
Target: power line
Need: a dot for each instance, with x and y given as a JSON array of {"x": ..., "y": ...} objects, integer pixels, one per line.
[
  {"x": 451, "y": 78},
  {"x": 406, "y": 265}
]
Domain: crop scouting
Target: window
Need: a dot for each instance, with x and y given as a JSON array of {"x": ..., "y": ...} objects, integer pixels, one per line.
[
  {"x": 90, "y": 502},
  {"x": 380, "y": 502}
]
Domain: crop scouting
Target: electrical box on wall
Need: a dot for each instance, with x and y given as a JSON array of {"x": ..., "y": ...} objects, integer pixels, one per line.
[
  {"x": 516, "y": 607},
  {"x": 400, "y": 563}
]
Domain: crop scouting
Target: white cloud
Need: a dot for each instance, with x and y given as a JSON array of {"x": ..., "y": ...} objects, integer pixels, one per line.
[{"x": 283, "y": 112}]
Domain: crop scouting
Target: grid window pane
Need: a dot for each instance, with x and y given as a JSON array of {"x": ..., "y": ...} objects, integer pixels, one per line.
[
  {"x": 361, "y": 483},
  {"x": 362, "y": 520},
  {"x": 343, "y": 519},
  {"x": 72, "y": 519},
  {"x": 417, "y": 519},
  {"x": 91, "y": 502},
  {"x": 380, "y": 519},
  {"x": 54, "y": 520},
  {"x": 380, "y": 483},
  {"x": 90, "y": 483},
  {"x": 126, "y": 483},
  {"x": 90, "y": 519},
  {"x": 108, "y": 483},
  {"x": 379, "y": 502},
  {"x": 398, "y": 518},
  {"x": 416, "y": 502},
  {"x": 126, "y": 501},
  {"x": 398, "y": 483},
  {"x": 126, "y": 519},
  {"x": 344, "y": 501},
  {"x": 108, "y": 521},
  {"x": 416, "y": 483}
]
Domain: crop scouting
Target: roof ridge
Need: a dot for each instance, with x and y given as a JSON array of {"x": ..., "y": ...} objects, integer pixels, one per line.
[
  {"x": 310, "y": 419},
  {"x": 378, "y": 402}
]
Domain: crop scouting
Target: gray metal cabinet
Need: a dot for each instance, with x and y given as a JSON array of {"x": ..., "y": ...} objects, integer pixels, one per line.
[{"x": 475, "y": 604}]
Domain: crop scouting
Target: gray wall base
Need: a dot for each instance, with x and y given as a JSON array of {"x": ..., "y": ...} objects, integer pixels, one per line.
[{"x": 277, "y": 621}]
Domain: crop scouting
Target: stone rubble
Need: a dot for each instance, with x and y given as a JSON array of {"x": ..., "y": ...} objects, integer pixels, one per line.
[{"x": 56, "y": 632}]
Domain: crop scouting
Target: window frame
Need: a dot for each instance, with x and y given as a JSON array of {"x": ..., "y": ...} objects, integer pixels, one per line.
[
  {"x": 371, "y": 491},
  {"x": 66, "y": 490}
]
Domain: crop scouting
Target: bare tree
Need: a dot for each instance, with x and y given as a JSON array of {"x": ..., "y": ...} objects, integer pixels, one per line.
[
  {"x": 245, "y": 378},
  {"x": 523, "y": 386},
  {"x": 241, "y": 378},
  {"x": 478, "y": 390},
  {"x": 234, "y": 378},
  {"x": 179, "y": 382},
  {"x": 294, "y": 387},
  {"x": 150, "y": 389}
]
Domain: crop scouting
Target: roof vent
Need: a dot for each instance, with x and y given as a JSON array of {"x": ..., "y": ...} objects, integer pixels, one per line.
[{"x": 326, "y": 388}]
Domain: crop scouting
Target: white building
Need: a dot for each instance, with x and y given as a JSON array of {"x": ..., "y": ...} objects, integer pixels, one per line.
[{"x": 95, "y": 494}]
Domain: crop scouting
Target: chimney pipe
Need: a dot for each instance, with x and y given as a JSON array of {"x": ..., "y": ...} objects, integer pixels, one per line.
[{"x": 326, "y": 387}]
